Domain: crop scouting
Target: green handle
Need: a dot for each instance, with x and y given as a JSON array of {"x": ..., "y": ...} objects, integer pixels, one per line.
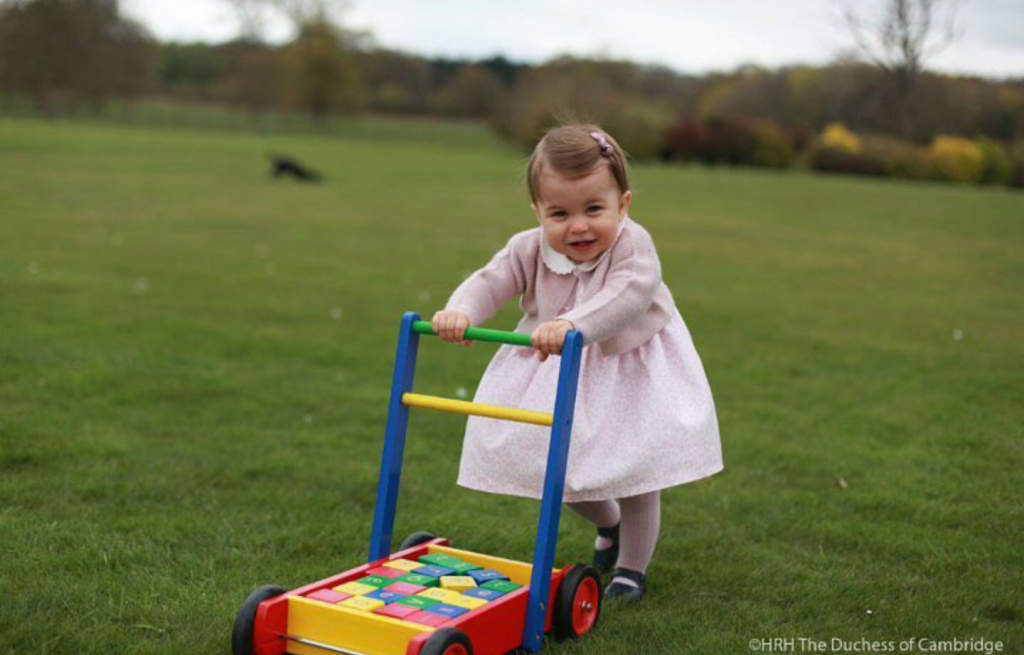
[{"x": 479, "y": 334}]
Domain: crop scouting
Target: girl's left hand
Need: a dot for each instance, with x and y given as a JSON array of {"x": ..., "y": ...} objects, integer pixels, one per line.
[{"x": 549, "y": 337}]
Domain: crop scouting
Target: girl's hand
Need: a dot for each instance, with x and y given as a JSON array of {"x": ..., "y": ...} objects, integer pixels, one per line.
[
  {"x": 549, "y": 337},
  {"x": 451, "y": 325}
]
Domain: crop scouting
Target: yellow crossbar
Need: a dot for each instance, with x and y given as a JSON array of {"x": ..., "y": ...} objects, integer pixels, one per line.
[{"x": 463, "y": 407}]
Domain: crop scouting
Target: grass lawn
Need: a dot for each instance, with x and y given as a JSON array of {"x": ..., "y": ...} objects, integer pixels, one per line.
[{"x": 195, "y": 365}]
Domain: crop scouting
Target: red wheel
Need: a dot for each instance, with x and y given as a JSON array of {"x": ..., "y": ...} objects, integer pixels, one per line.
[
  {"x": 585, "y": 606},
  {"x": 578, "y": 605}
]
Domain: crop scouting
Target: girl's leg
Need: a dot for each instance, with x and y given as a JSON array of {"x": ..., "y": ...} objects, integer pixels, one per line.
[
  {"x": 641, "y": 521},
  {"x": 602, "y": 513}
]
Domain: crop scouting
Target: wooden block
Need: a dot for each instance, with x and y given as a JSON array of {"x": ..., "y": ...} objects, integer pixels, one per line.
[
  {"x": 463, "y": 568},
  {"x": 406, "y": 565},
  {"x": 418, "y": 602},
  {"x": 355, "y": 588},
  {"x": 439, "y": 559},
  {"x": 417, "y": 579},
  {"x": 376, "y": 581},
  {"x": 458, "y": 583},
  {"x": 405, "y": 588},
  {"x": 483, "y": 594},
  {"x": 466, "y": 602},
  {"x": 444, "y": 609},
  {"x": 426, "y": 618},
  {"x": 385, "y": 572},
  {"x": 434, "y": 571},
  {"x": 362, "y": 604},
  {"x": 396, "y": 610},
  {"x": 438, "y": 594},
  {"x": 486, "y": 575},
  {"x": 385, "y": 595},
  {"x": 504, "y": 586},
  {"x": 328, "y": 596}
]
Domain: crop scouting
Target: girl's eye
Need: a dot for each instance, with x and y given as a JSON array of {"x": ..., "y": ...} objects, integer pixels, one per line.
[
  {"x": 558, "y": 214},
  {"x": 594, "y": 208}
]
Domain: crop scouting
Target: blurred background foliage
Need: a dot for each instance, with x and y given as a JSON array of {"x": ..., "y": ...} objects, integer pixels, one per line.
[{"x": 877, "y": 112}]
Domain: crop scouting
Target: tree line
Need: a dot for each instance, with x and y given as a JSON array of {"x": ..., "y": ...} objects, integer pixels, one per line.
[{"x": 327, "y": 70}]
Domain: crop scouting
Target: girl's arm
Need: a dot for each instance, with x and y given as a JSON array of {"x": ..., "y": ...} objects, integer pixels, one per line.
[
  {"x": 628, "y": 291},
  {"x": 483, "y": 293}
]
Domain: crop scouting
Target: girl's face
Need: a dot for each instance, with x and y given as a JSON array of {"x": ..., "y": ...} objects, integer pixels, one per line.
[{"x": 580, "y": 217}]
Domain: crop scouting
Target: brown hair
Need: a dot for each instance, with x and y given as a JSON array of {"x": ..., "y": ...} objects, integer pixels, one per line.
[{"x": 571, "y": 151}]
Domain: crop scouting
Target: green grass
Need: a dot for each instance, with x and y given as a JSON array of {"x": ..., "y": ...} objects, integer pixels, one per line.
[{"x": 195, "y": 365}]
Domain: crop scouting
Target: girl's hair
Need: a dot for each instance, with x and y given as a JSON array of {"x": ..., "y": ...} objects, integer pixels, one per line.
[{"x": 574, "y": 151}]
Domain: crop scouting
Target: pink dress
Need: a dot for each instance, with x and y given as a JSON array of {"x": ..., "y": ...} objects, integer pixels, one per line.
[{"x": 645, "y": 419}]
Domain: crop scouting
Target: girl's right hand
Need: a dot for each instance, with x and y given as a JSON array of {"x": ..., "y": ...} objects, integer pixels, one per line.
[{"x": 451, "y": 325}]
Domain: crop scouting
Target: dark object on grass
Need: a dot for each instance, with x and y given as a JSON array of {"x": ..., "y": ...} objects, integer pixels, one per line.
[
  {"x": 623, "y": 591},
  {"x": 288, "y": 167}
]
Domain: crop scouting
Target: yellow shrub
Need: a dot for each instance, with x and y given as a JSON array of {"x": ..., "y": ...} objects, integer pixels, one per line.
[
  {"x": 956, "y": 159},
  {"x": 837, "y": 137}
]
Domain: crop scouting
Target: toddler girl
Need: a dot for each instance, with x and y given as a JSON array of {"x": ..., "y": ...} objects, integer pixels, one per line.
[{"x": 645, "y": 419}]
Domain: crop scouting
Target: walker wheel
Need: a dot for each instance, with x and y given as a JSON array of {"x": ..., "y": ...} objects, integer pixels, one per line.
[
  {"x": 578, "y": 604},
  {"x": 241, "y": 635},
  {"x": 448, "y": 641},
  {"x": 415, "y": 539}
]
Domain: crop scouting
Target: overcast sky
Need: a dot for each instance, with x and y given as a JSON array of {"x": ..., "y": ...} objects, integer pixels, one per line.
[{"x": 692, "y": 36}]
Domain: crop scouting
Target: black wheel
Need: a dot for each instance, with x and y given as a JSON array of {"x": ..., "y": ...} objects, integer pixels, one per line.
[
  {"x": 241, "y": 635},
  {"x": 415, "y": 539},
  {"x": 578, "y": 603},
  {"x": 448, "y": 641}
]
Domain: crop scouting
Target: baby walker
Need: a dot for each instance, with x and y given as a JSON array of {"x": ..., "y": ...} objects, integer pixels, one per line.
[{"x": 429, "y": 598}]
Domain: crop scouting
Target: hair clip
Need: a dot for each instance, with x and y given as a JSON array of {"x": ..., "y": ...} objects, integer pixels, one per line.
[{"x": 606, "y": 148}]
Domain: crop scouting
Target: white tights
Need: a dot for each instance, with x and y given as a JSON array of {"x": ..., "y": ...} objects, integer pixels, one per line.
[{"x": 640, "y": 518}]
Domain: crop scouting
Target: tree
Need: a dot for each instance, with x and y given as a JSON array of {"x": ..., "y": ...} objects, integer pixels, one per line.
[
  {"x": 71, "y": 52},
  {"x": 321, "y": 71},
  {"x": 899, "y": 40}
]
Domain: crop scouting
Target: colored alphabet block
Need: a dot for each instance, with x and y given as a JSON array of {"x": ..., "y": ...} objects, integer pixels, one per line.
[
  {"x": 466, "y": 602},
  {"x": 385, "y": 572},
  {"x": 504, "y": 586},
  {"x": 396, "y": 610},
  {"x": 463, "y": 568},
  {"x": 405, "y": 588},
  {"x": 426, "y": 618},
  {"x": 434, "y": 571},
  {"x": 418, "y": 602},
  {"x": 483, "y": 594},
  {"x": 362, "y": 604},
  {"x": 486, "y": 575},
  {"x": 438, "y": 594},
  {"x": 385, "y": 595},
  {"x": 417, "y": 579},
  {"x": 328, "y": 596},
  {"x": 458, "y": 583},
  {"x": 355, "y": 588},
  {"x": 406, "y": 565},
  {"x": 451, "y": 611},
  {"x": 376, "y": 581},
  {"x": 439, "y": 559}
]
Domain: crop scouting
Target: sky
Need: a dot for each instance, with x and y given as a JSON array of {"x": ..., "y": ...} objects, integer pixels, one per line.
[{"x": 689, "y": 36}]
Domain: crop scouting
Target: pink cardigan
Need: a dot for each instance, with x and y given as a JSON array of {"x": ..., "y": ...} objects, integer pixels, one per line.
[{"x": 622, "y": 300}]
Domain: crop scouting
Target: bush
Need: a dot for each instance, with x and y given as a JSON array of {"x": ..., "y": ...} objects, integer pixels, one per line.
[
  {"x": 955, "y": 159},
  {"x": 996, "y": 167},
  {"x": 836, "y": 160},
  {"x": 729, "y": 141},
  {"x": 835, "y": 136},
  {"x": 898, "y": 159}
]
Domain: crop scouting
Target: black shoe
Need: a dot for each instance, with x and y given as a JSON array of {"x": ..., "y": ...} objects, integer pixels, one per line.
[
  {"x": 619, "y": 590},
  {"x": 604, "y": 560}
]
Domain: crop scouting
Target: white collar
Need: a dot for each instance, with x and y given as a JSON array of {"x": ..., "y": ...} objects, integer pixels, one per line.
[{"x": 562, "y": 265}]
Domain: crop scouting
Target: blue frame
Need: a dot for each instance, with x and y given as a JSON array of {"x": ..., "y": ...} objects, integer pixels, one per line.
[
  {"x": 394, "y": 440},
  {"x": 554, "y": 477}
]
